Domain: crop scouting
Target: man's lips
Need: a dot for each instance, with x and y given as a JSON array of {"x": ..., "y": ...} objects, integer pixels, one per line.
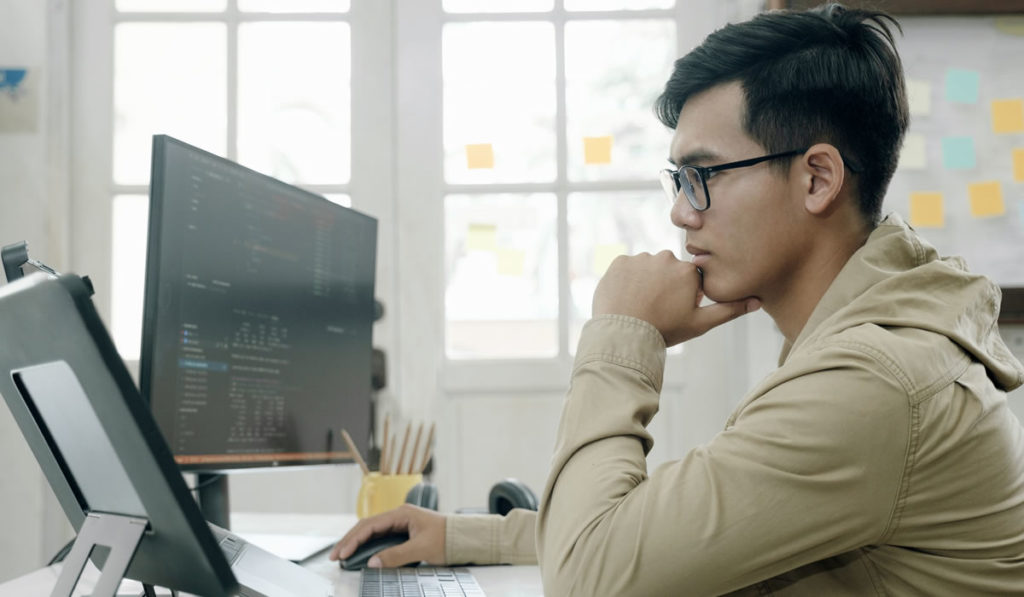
[{"x": 700, "y": 256}]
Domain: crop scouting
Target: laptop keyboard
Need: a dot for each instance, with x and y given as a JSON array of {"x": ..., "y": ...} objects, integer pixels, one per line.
[{"x": 418, "y": 582}]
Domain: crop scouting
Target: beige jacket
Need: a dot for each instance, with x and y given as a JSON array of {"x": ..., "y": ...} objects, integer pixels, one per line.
[{"x": 880, "y": 458}]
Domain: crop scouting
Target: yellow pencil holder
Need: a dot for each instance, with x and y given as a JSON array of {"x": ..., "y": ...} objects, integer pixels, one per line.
[{"x": 380, "y": 493}]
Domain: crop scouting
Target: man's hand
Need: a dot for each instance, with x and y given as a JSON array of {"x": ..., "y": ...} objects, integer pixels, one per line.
[
  {"x": 426, "y": 530},
  {"x": 664, "y": 292}
]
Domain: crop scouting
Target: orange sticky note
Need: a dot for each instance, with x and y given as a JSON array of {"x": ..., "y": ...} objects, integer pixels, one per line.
[
  {"x": 1008, "y": 116},
  {"x": 986, "y": 199},
  {"x": 1018, "y": 164},
  {"x": 597, "y": 150},
  {"x": 479, "y": 155},
  {"x": 926, "y": 210}
]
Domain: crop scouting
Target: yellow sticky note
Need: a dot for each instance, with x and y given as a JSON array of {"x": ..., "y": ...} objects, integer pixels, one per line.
[
  {"x": 482, "y": 237},
  {"x": 913, "y": 156},
  {"x": 1011, "y": 25},
  {"x": 1008, "y": 116},
  {"x": 511, "y": 262},
  {"x": 479, "y": 155},
  {"x": 605, "y": 254},
  {"x": 986, "y": 199},
  {"x": 1018, "y": 164},
  {"x": 919, "y": 97},
  {"x": 597, "y": 150},
  {"x": 926, "y": 210}
]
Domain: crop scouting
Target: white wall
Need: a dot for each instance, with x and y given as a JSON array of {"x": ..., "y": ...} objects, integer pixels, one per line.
[{"x": 33, "y": 525}]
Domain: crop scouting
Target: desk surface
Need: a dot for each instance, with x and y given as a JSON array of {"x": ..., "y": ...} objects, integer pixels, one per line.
[{"x": 496, "y": 581}]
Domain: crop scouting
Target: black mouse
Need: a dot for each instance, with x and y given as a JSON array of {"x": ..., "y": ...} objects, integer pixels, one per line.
[{"x": 363, "y": 553}]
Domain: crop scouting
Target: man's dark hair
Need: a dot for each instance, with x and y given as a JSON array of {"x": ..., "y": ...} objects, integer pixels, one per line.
[{"x": 829, "y": 74}]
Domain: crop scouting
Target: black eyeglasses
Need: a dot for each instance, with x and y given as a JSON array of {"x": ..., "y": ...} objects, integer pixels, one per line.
[{"x": 693, "y": 180}]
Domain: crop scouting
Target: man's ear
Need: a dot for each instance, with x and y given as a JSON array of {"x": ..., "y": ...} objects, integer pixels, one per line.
[{"x": 823, "y": 175}]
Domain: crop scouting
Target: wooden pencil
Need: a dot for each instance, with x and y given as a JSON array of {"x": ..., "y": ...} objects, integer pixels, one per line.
[
  {"x": 355, "y": 452},
  {"x": 401, "y": 455},
  {"x": 415, "y": 450},
  {"x": 427, "y": 449},
  {"x": 382, "y": 465},
  {"x": 389, "y": 470}
]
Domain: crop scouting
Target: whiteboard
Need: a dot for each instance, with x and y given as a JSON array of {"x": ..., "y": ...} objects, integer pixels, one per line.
[{"x": 939, "y": 54}]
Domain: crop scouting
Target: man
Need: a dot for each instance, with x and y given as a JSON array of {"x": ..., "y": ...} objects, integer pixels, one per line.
[{"x": 879, "y": 458}]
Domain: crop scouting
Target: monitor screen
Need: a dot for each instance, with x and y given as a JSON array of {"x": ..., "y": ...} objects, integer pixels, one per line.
[{"x": 259, "y": 307}]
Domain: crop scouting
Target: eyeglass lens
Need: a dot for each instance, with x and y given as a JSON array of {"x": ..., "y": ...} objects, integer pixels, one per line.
[{"x": 687, "y": 180}]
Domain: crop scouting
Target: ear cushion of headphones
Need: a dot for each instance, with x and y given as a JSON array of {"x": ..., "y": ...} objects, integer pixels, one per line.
[
  {"x": 509, "y": 494},
  {"x": 424, "y": 495}
]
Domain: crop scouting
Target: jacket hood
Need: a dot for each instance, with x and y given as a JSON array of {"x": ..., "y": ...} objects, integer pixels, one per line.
[{"x": 898, "y": 280}]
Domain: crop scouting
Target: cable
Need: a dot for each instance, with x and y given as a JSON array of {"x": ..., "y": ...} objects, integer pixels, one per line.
[{"x": 211, "y": 480}]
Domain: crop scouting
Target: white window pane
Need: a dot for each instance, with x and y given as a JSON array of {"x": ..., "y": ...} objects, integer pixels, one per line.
[
  {"x": 603, "y": 226},
  {"x": 499, "y": 92},
  {"x": 339, "y": 198},
  {"x": 294, "y": 5},
  {"x": 501, "y": 263},
  {"x": 169, "y": 78},
  {"x": 498, "y": 5},
  {"x": 171, "y": 5},
  {"x": 617, "y": 4},
  {"x": 614, "y": 72},
  {"x": 128, "y": 272},
  {"x": 294, "y": 100}
]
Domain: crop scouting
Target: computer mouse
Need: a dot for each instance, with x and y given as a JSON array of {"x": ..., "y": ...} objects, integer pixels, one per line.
[{"x": 363, "y": 553}]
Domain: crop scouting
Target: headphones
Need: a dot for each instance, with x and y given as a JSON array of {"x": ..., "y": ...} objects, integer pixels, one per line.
[{"x": 504, "y": 496}]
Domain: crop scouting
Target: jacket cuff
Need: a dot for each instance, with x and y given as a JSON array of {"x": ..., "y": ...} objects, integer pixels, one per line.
[
  {"x": 625, "y": 341},
  {"x": 471, "y": 539},
  {"x": 490, "y": 538}
]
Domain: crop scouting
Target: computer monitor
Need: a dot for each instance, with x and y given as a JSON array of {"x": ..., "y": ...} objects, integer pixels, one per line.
[
  {"x": 96, "y": 442},
  {"x": 258, "y": 315}
]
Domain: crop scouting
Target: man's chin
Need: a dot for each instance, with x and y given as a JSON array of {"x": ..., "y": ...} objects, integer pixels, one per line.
[{"x": 720, "y": 294}]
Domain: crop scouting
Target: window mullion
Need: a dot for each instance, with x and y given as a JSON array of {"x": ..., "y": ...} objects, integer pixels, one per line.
[
  {"x": 232, "y": 20},
  {"x": 561, "y": 191}
]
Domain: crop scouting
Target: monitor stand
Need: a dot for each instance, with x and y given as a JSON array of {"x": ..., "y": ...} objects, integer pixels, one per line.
[
  {"x": 121, "y": 534},
  {"x": 214, "y": 499}
]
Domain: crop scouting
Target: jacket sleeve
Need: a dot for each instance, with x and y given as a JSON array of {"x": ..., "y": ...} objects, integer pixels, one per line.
[
  {"x": 811, "y": 468},
  {"x": 491, "y": 539}
]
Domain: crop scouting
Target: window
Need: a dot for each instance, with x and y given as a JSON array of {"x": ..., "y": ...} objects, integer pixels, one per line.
[
  {"x": 507, "y": 146},
  {"x": 551, "y": 150},
  {"x": 264, "y": 82}
]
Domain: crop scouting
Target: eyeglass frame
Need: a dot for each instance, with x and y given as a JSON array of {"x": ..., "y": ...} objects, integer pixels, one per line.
[{"x": 673, "y": 177}]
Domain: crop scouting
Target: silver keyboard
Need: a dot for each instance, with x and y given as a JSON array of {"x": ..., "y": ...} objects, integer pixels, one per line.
[{"x": 418, "y": 582}]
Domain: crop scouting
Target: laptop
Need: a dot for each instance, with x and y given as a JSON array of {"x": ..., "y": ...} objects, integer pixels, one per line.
[{"x": 261, "y": 573}]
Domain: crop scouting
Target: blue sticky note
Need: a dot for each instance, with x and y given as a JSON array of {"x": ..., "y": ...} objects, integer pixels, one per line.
[
  {"x": 958, "y": 153},
  {"x": 962, "y": 86},
  {"x": 11, "y": 78}
]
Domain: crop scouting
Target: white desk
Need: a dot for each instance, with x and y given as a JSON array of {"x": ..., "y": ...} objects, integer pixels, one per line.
[{"x": 496, "y": 581}]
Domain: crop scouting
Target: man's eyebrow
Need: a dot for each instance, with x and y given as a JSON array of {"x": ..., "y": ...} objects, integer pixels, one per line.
[{"x": 695, "y": 157}]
